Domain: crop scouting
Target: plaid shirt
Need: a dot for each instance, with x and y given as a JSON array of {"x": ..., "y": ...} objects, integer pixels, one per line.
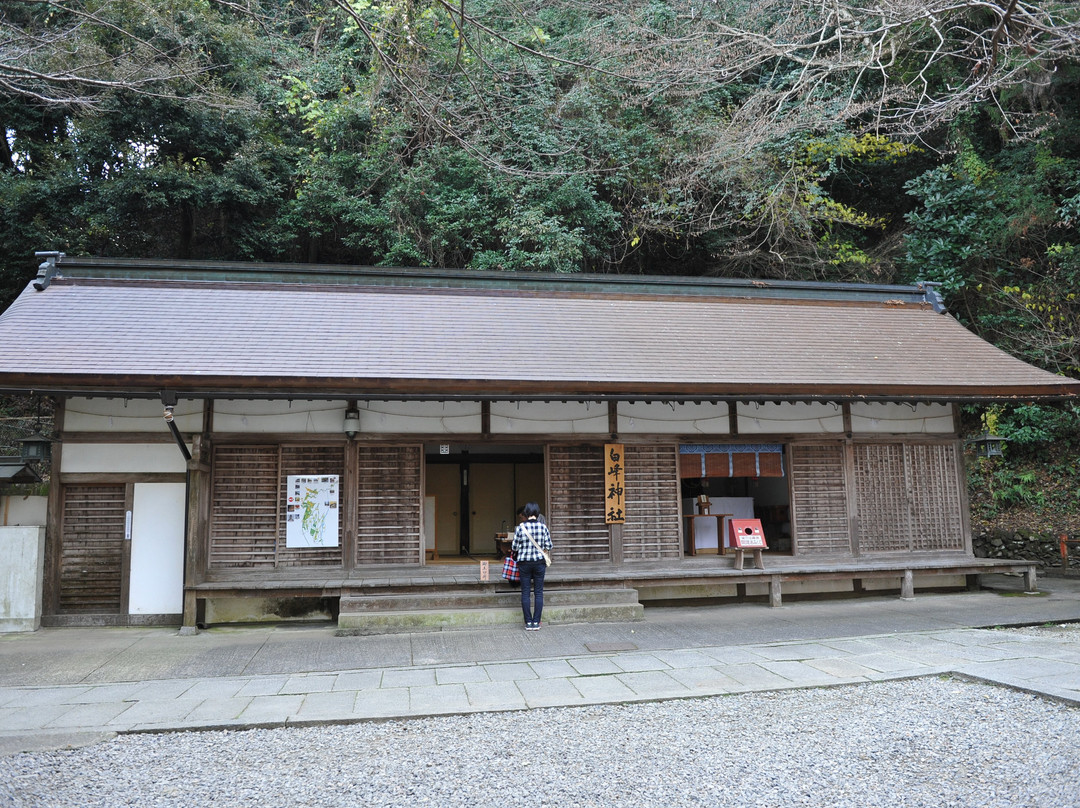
[{"x": 523, "y": 548}]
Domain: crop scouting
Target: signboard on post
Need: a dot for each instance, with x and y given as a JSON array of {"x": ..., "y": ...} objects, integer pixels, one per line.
[{"x": 614, "y": 473}]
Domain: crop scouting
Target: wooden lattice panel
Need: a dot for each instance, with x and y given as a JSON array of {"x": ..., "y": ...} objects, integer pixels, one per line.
[
  {"x": 92, "y": 549},
  {"x": 651, "y": 530},
  {"x": 244, "y": 507},
  {"x": 936, "y": 500},
  {"x": 819, "y": 500},
  {"x": 881, "y": 498},
  {"x": 576, "y": 503},
  {"x": 389, "y": 505},
  {"x": 309, "y": 460}
]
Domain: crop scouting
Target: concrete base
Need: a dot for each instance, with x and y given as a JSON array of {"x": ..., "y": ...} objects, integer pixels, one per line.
[
  {"x": 268, "y": 610},
  {"x": 22, "y": 563}
]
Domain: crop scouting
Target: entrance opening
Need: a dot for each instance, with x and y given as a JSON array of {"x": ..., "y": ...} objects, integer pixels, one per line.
[
  {"x": 742, "y": 482},
  {"x": 472, "y": 494}
]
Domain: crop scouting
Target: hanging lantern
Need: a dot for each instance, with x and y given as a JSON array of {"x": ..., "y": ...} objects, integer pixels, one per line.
[{"x": 36, "y": 448}]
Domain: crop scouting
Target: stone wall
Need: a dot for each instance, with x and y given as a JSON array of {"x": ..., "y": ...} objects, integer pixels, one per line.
[{"x": 1041, "y": 548}]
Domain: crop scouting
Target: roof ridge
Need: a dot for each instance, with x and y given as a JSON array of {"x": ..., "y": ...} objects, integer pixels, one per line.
[{"x": 450, "y": 278}]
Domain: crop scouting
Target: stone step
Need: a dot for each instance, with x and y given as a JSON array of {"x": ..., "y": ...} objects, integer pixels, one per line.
[
  {"x": 481, "y": 599},
  {"x": 440, "y": 611}
]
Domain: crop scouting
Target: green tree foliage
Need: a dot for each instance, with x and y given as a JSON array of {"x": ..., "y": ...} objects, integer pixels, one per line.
[
  {"x": 998, "y": 226},
  {"x": 766, "y": 139}
]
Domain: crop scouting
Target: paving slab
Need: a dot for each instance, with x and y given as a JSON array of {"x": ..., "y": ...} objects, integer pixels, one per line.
[
  {"x": 264, "y": 709},
  {"x": 265, "y": 686},
  {"x": 157, "y": 711},
  {"x": 801, "y": 673},
  {"x": 509, "y": 671},
  {"x": 605, "y": 689},
  {"x": 494, "y": 696},
  {"x": 382, "y": 703},
  {"x": 755, "y": 677},
  {"x": 639, "y": 662},
  {"x": 326, "y": 706},
  {"x": 460, "y": 674},
  {"x": 796, "y": 651},
  {"x": 211, "y": 710},
  {"x": 309, "y": 684},
  {"x": 550, "y": 693},
  {"x": 594, "y": 666},
  {"x": 705, "y": 680},
  {"x": 653, "y": 684},
  {"x": 358, "y": 680},
  {"x": 418, "y": 677},
  {"x": 438, "y": 699}
]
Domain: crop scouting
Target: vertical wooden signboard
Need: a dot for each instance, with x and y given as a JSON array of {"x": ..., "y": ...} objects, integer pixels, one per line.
[{"x": 614, "y": 494}]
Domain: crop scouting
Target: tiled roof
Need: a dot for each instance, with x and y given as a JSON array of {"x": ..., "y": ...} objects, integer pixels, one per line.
[
  {"x": 217, "y": 337},
  {"x": 13, "y": 470}
]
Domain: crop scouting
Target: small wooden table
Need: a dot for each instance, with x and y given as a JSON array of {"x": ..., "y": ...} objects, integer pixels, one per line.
[
  {"x": 719, "y": 517},
  {"x": 503, "y": 544}
]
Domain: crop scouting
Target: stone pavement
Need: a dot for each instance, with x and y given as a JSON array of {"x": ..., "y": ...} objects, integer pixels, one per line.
[{"x": 67, "y": 687}]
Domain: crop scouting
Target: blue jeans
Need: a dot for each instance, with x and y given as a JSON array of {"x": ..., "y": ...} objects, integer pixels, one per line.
[{"x": 532, "y": 577}]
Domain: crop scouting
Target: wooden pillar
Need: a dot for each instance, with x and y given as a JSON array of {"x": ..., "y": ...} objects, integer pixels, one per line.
[
  {"x": 907, "y": 586},
  {"x": 775, "y": 595},
  {"x": 616, "y": 543},
  {"x": 197, "y": 533},
  {"x": 54, "y": 519}
]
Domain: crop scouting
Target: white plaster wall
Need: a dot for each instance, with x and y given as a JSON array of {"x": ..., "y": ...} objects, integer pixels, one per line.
[
  {"x": 254, "y": 416},
  {"x": 22, "y": 563},
  {"x": 130, "y": 458},
  {"x": 129, "y": 415},
  {"x": 905, "y": 418},
  {"x": 657, "y": 417},
  {"x": 23, "y": 510},
  {"x": 434, "y": 417},
  {"x": 537, "y": 417},
  {"x": 157, "y": 549},
  {"x": 804, "y": 418},
  {"x": 328, "y": 417}
]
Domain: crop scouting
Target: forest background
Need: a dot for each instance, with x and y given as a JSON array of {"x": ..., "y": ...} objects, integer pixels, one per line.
[{"x": 835, "y": 140}]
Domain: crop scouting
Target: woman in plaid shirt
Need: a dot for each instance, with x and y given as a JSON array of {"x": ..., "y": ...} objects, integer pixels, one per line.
[{"x": 530, "y": 537}]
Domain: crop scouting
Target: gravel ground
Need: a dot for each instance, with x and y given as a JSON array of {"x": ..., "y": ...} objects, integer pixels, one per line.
[{"x": 931, "y": 742}]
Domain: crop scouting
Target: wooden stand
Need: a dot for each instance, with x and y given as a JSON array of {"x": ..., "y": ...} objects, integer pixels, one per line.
[{"x": 758, "y": 562}]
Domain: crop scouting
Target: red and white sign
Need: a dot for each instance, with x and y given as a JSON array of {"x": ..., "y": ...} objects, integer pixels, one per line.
[{"x": 746, "y": 534}]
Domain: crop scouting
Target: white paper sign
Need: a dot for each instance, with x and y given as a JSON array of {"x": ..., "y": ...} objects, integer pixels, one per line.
[{"x": 311, "y": 511}]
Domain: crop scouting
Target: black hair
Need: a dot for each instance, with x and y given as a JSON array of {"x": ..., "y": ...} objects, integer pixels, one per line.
[{"x": 530, "y": 510}]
